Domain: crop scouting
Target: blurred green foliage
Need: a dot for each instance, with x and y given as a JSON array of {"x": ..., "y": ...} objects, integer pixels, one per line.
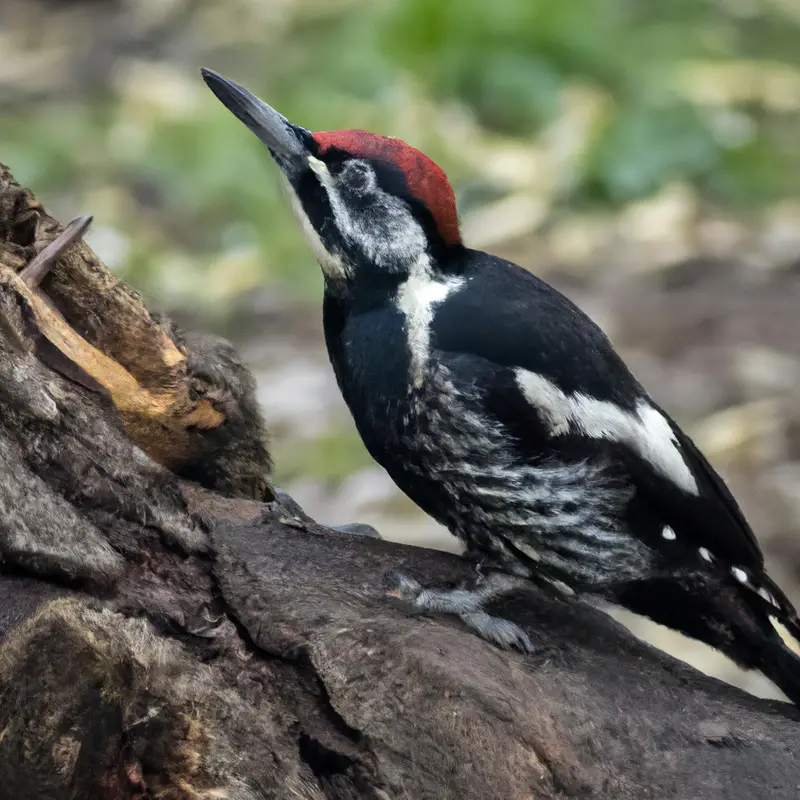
[
  {"x": 326, "y": 458},
  {"x": 702, "y": 90},
  {"x": 511, "y": 60}
]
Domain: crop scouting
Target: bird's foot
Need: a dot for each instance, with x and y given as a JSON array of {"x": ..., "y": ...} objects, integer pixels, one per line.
[{"x": 468, "y": 606}]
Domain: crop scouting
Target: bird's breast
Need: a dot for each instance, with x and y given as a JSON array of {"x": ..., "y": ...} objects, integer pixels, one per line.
[{"x": 372, "y": 366}]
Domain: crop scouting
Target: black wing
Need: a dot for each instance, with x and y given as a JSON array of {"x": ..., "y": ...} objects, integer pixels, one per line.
[
  {"x": 504, "y": 318},
  {"x": 726, "y": 516}
]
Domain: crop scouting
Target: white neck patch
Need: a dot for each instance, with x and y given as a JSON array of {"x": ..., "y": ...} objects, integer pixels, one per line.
[
  {"x": 646, "y": 431},
  {"x": 416, "y": 299}
]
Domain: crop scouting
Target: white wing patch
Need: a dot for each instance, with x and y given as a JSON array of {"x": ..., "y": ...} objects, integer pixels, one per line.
[
  {"x": 645, "y": 431},
  {"x": 706, "y": 555},
  {"x": 739, "y": 574},
  {"x": 416, "y": 299}
]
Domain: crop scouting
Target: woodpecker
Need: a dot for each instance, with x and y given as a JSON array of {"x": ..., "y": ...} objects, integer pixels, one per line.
[{"x": 505, "y": 413}]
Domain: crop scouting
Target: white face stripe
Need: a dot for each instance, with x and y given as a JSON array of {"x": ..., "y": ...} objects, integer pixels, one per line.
[
  {"x": 416, "y": 299},
  {"x": 645, "y": 431},
  {"x": 319, "y": 168},
  {"x": 390, "y": 235},
  {"x": 332, "y": 264}
]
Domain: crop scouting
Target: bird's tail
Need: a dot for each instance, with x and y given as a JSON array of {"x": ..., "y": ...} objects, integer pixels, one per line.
[
  {"x": 780, "y": 663},
  {"x": 782, "y": 666},
  {"x": 730, "y": 619}
]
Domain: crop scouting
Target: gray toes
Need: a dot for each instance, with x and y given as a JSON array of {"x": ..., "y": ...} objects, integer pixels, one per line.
[
  {"x": 467, "y": 605},
  {"x": 401, "y": 587},
  {"x": 502, "y": 632}
]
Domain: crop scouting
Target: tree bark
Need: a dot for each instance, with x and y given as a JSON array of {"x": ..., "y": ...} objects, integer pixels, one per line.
[{"x": 163, "y": 638}]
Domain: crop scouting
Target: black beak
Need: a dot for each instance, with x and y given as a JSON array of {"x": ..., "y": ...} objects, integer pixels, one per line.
[{"x": 288, "y": 143}]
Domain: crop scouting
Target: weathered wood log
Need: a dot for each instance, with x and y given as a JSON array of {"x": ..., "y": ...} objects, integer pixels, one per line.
[{"x": 166, "y": 639}]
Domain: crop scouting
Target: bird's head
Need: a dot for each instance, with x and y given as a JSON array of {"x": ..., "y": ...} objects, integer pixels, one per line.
[{"x": 370, "y": 206}]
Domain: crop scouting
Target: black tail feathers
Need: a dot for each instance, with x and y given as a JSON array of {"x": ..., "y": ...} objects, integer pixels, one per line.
[
  {"x": 728, "y": 617},
  {"x": 779, "y": 662},
  {"x": 782, "y": 666}
]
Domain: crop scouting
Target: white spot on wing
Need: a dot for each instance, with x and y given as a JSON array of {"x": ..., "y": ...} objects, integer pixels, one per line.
[
  {"x": 668, "y": 533},
  {"x": 705, "y": 555},
  {"x": 739, "y": 574},
  {"x": 416, "y": 299},
  {"x": 645, "y": 431},
  {"x": 765, "y": 595}
]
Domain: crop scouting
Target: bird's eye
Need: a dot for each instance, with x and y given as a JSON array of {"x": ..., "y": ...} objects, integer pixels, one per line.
[{"x": 358, "y": 176}]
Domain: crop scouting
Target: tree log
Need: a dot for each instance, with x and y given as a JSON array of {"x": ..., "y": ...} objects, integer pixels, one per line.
[{"x": 177, "y": 639}]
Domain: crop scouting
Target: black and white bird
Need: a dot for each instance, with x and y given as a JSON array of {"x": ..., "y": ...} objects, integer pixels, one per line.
[{"x": 505, "y": 413}]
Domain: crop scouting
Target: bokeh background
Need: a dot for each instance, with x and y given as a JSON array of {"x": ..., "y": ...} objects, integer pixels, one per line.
[{"x": 642, "y": 157}]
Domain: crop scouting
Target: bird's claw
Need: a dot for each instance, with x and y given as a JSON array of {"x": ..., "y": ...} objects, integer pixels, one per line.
[
  {"x": 467, "y": 605},
  {"x": 403, "y": 588},
  {"x": 499, "y": 631}
]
